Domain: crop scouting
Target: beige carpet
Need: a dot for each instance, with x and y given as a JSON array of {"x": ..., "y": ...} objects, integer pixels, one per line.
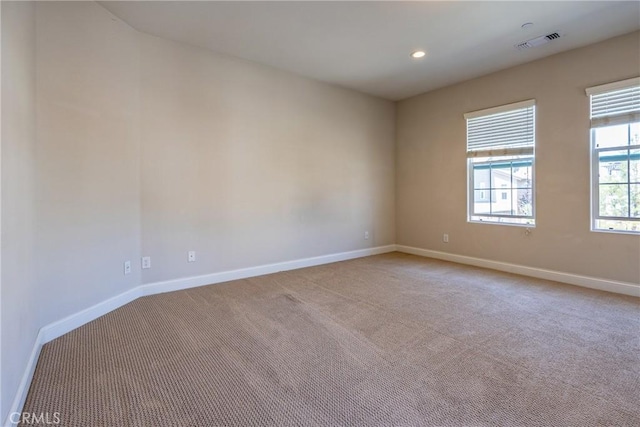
[{"x": 390, "y": 340}]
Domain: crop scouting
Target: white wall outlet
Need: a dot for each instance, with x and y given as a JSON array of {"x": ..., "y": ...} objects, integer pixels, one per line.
[
  {"x": 445, "y": 238},
  {"x": 127, "y": 267},
  {"x": 146, "y": 262},
  {"x": 192, "y": 256},
  {"x": 366, "y": 235}
]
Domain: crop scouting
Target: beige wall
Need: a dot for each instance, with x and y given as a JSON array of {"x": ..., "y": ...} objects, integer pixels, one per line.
[
  {"x": 88, "y": 160},
  {"x": 431, "y": 188},
  {"x": 150, "y": 147},
  {"x": 248, "y": 165},
  {"x": 19, "y": 295}
]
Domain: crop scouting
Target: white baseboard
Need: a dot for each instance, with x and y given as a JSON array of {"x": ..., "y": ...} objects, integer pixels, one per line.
[
  {"x": 624, "y": 288},
  {"x": 243, "y": 273},
  {"x": 25, "y": 382},
  {"x": 69, "y": 323}
]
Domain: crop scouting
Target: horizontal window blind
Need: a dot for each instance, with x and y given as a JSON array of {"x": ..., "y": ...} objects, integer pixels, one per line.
[
  {"x": 503, "y": 133},
  {"x": 620, "y": 104}
]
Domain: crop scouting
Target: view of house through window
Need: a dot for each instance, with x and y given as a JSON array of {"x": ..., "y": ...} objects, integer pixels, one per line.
[
  {"x": 509, "y": 188},
  {"x": 615, "y": 139},
  {"x": 500, "y": 152}
]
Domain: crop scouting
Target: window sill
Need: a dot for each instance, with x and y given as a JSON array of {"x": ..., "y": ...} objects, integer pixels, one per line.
[
  {"x": 513, "y": 224},
  {"x": 631, "y": 233}
]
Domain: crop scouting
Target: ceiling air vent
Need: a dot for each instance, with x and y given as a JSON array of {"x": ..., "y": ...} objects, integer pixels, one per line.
[{"x": 538, "y": 41}]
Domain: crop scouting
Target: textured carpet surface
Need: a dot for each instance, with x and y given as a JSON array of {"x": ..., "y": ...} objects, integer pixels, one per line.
[{"x": 389, "y": 340}]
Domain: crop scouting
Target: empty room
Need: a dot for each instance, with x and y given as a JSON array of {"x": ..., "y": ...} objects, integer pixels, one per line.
[{"x": 310, "y": 213}]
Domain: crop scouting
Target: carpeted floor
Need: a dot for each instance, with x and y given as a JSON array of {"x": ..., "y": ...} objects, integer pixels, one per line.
[{"x": 389, "y": 340}]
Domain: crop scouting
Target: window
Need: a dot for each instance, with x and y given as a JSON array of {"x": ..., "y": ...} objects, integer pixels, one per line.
[
  {"x": 615, "y": 156},
  {"x": 500, "y": 157}
]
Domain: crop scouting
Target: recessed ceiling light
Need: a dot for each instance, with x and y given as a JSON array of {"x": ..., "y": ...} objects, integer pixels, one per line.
[{"x": 418, "y": 54}]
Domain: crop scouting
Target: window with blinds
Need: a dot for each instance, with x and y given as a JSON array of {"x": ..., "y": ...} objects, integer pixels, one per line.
[
  {"x": 615, "y": 156},
  {"x": 500, "y": 156}
]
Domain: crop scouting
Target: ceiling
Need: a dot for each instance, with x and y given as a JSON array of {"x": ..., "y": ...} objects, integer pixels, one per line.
[{"x": 366, "y": 45}]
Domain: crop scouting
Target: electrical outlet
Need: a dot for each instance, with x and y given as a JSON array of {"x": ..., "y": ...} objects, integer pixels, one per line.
[
  {"x": 127, "y": 267},
  {"x": 445, "y": 238},
  {"x": 146, "y": 262},
  {"x": 192, "y": 256},
  {"x": 366, "y": 235}
]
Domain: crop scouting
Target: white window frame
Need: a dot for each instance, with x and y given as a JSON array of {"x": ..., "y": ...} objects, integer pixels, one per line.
[
  {"x": 500, "y": 156},
  {"x": 604, "y": 121}
]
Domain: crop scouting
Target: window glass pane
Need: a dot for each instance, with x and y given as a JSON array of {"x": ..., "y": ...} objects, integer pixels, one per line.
[
  {"x": 522, "y": 175},
  {"x": 481, "y": 176},
  {"x": 612, "y": 136},
  {"x": 500, "y": 206},
  {"x": 614, "y": 200},
  {"x": 613, "y": 166},
  {"x": 635, "y": 200},
  {"x": 523, "y": 202},
  {"x": 500, "y": 174},
  {"x": 634, "y": 168},
  {"x": 481, "y": 203},
  {"x": 494, "y": 191}
]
